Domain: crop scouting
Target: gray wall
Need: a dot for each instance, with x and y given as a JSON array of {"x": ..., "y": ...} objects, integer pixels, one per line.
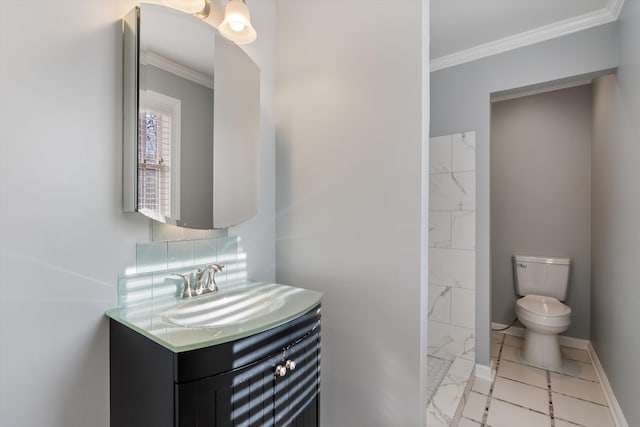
[
  {"x": 615, "y": 300},
  {"x": 460, "y": 101},
  {"x": 541, "y": 193},
  {"x": 349, "y": 197},
  {"x": 63, "y": 236}
]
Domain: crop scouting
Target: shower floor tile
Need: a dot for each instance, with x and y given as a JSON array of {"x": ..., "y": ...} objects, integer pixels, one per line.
[{"x": 436, "y": 370}]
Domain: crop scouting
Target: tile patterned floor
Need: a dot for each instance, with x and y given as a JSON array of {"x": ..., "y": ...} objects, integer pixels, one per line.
[{"x": 525, "y": 396}]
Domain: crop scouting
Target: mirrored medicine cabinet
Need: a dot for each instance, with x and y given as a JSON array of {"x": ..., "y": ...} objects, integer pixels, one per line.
[{"x": 191, "y": 118}]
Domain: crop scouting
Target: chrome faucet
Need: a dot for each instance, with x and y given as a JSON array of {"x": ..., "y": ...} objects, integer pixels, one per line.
[
  {"x": 207, "y": 275},
  {"x": 201, "y": 282}
]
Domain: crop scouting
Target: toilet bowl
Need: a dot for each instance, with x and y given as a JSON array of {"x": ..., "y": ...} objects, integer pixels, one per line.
[
  {"x": 544, "y": 318},
  {"x": 542, "y": 283}
]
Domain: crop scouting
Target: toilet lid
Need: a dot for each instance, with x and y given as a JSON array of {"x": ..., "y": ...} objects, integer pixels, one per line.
[{"x": 547, "y": 306}]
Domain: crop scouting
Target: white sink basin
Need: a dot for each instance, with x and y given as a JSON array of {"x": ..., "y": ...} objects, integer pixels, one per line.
[{"x": 223, "y": 308}]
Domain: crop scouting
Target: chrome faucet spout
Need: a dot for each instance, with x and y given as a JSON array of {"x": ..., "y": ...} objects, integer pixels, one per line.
[
  {"x": 207, "y": 275},
  {"x": 213, "y": 269}
]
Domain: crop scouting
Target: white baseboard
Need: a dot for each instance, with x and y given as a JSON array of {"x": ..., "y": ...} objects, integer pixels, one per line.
[
  {"x": 614, "y": 407},
  {"x": 565, "y": 341},
  {"x": 485, "y": 372}
]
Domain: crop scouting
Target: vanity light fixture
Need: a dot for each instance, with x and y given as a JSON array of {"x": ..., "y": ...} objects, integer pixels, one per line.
[
  {"x": 236, "y": 25},
  {"x": 199, "y": 8},
  {"x": 204, "y": 13}
]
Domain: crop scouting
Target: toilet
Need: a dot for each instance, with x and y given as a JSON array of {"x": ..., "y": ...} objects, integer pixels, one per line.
[{"x": 542, "y": 283}]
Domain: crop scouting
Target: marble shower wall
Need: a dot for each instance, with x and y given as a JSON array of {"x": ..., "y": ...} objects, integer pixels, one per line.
[{"x": 452, "y": 253}]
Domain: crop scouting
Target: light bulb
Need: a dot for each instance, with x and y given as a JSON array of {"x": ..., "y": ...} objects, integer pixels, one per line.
[{"x": 237, "y": 26}]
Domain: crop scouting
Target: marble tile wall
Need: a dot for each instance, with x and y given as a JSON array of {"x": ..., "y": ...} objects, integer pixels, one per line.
[{"x": 452, "y": 217}]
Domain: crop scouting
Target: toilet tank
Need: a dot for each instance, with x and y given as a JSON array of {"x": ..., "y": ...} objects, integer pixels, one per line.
[{"x": 544, "y": 276}]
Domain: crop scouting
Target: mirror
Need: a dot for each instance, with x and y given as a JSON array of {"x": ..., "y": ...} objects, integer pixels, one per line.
[{"x": 191, "y": 118}]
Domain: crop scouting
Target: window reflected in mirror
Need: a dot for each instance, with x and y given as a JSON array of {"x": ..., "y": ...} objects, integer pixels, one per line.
[{"x": 159, "y": 156}]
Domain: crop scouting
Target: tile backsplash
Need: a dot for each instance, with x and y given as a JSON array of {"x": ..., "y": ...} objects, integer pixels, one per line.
[
  {"x": 452, "y": 256},
  {"x": 156, "y": 263}
]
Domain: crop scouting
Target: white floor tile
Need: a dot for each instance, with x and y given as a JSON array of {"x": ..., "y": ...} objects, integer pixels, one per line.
[
  {"x": 578, "y": 369},
  {"x": 512, "y": 354},
  {"x": 523, "y": 373},
  {"x": 474, "y": 409},
  {"x": 577, "y": 387},
  {"x": 481, "y": 386},
  {"x": 464, "y": 422},
  {"x": 513, "y": 341},
  {"x": 578, "y": 411},
  {"x": 497, "y": 337},
  {"x": 503, "y": 414},
  {"x": 521, "y": 394},
  {"x": 575, "y": 354}
]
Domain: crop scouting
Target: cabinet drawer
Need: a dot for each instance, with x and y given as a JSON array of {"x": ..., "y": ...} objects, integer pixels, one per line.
[{"x": 201, "y": 363}]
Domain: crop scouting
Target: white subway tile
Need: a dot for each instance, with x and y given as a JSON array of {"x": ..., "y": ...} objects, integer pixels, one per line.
[
  {"x": 463, "y": 307},
  {"x": 439, "y": 229},
  {"x": 440, "y": 303},
  {"x": 452, "y": 267},
  {"x": 463, "y": 152},
  {"x": 440, "y": 154},
  {"x": 449, "y": 341},
  {"x": 452, "y": 191},
  {"x": 463, "y": 230}
]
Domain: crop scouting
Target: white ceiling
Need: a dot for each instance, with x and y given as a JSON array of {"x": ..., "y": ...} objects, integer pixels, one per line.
[{"x": 464, "y": 30}]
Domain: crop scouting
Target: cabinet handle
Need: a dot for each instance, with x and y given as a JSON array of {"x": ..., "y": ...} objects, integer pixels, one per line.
[
  {"x": 290, "y": 365},
  {"x": 281, "y": 371}
]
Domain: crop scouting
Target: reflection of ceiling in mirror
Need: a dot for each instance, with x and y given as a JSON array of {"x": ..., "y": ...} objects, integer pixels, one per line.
[
  {"x": 159, "y": 61},
  {"x": 178, "y": 37}
]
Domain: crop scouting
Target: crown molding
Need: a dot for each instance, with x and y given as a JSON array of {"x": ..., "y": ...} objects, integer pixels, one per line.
[
  {"x": 151, "y": 58},
  {"x": 615, "y": 7},
  {"x": 602, "y": 16},
  {"x": 545, "y": 89}
]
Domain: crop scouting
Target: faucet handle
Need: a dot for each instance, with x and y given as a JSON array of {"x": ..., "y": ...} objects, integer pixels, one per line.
[{"x": 186, "y": 282}]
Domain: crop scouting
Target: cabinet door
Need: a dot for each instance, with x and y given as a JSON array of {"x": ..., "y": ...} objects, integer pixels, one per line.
[
  {"x": 297, "y": 402},
  {"x": 243, "y": 397},
  {"x": 254, "y": 396}
]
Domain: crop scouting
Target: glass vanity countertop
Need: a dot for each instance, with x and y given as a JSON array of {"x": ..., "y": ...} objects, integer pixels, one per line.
[{"x": 235, "y": 311}]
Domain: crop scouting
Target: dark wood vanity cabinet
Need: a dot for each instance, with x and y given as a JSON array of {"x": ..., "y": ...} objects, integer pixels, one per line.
[{"x": 238, "y": 383}]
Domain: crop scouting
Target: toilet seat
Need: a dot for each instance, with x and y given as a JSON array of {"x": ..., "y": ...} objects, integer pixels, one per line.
[
  {"x": 543, "y": 313},
  {"x": 546, "y": 307}
]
